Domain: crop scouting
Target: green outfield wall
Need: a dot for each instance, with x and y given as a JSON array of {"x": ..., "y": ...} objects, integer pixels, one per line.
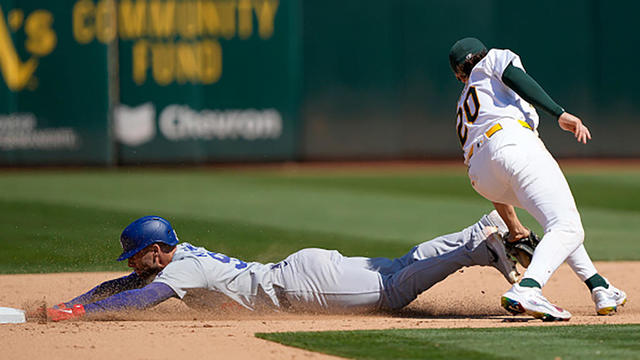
[
  {"x": 147, "y": 81},
  {"x": 378, "y": 83},
  {"x": 190, "y": 81},
  {"x": 54, "y": 91},
  {"x": 207, "y": 80}
]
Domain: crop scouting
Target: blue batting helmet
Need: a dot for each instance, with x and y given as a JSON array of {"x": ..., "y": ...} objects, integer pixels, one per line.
[{"x": 144, "y": 232}]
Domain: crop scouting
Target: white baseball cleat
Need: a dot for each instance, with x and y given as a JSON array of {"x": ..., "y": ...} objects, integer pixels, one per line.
[
  {"x": 526, "y": 300},
  {"x": 608, "y": 300},
  {"x": 501, "y": 261}
]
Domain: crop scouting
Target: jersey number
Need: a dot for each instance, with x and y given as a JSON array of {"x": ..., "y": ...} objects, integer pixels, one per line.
[
  {"x": 225, "y": 259},
  {"x": 217, "y": 256},
  {"x": 471, "y": 107}
]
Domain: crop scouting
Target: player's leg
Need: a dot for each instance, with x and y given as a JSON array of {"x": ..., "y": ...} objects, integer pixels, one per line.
[
  {"x": 605, "y": 296},
  {"x": 553, "y": 205},
  {"x": 447, "y": 243},
  {"x": 432, "y": 261},
  {"x": 320, "y": 280},
  {"x": 514, "y": 168},
  {"x": 545, "y": 194}
]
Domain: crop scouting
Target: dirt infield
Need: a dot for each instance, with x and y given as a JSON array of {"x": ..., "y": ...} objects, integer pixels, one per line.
[{"x": 469, "y": 298}]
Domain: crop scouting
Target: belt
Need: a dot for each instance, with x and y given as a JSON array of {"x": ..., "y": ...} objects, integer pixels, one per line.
[{"x": 492, "y": 130}]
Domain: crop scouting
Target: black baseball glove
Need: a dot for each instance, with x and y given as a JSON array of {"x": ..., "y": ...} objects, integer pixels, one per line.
[{"x": 521, "y": 250}]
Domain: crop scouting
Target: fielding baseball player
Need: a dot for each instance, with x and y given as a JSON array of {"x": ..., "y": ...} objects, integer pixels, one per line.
[
  {"x": 509, "y": 165},
  {"x": 308, "y": 280}
]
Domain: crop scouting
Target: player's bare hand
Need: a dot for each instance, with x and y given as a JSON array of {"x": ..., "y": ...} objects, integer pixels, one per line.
[
  {"x": 518, "y": 234},
  {"x": 572, "y": 123}
]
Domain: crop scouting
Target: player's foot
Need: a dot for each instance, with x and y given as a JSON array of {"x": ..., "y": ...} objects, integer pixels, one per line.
[
  {"x": 527, "y": 300},
  {"x": 501, "y": 261},
  {"x": 608, "y": 300}
]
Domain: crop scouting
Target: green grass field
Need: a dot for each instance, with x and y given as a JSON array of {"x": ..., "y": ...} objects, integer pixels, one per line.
[
  {"x": 557, "y": 342},
  {"x": 55, "y": 220}
]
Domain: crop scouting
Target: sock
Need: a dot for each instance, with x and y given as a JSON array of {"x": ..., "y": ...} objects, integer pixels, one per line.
[
  {"x": 529, "y": 282},
  {"x": 595, "y": 281}
]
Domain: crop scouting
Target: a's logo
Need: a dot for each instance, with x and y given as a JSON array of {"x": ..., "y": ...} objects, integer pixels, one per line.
[
  {"x": 134, "y": 126},
  {"x": 40, "y": 40}
]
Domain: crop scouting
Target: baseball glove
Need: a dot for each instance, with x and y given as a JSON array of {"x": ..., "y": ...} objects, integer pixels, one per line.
[{"x": 521, "y": 250}]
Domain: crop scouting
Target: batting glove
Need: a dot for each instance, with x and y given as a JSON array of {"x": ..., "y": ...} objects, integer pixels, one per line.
[{"x": 74, "y": 312}]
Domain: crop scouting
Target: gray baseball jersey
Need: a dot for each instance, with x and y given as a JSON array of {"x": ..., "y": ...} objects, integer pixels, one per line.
[
  {"x": 204, "y": 278},
  {"x": 325, "y": 280}
]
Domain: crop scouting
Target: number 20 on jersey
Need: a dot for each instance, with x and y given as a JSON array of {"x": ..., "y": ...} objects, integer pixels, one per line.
[{"x": 468, "y": 113}]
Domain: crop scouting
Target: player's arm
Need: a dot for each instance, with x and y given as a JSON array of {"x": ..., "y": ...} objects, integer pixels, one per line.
[
  {"x": 106, "y": 289},
  {"x": 507, "y": 212},
  {"x": 136, "y": 299},
  {"x": 525, "y": 86}
]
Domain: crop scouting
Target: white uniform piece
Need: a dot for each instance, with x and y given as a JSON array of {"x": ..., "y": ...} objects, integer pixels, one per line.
[
  {"x": 325, "y": 280},
  {"x": 509, "y": 164}
]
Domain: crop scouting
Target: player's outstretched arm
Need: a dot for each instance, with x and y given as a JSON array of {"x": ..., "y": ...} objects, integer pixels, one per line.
[
  {"x": 106, "y": 289},
  {"x": 525, "y": 86},
  {"x": 136, "y": 299},
  {"x": 573, "y": 124}
]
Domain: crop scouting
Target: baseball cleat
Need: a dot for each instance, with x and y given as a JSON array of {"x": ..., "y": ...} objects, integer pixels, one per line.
[
  {"x": 525, "y": 300},
  {"x": 608, "y": 300},
  {"x": 501, "y": 261}
]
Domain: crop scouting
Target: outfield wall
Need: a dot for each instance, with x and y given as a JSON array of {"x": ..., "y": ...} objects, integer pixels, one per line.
[
  {"x": 386, "y": 88},
  {"x": 189, "y": 81},
  {"x": 147, "y": 81}
]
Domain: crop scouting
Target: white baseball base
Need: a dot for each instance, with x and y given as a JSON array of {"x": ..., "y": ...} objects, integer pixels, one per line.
[{"x": 11, "y": 316}]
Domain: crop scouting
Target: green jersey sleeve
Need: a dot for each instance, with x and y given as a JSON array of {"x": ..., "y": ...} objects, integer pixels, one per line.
[{"x": 525, "y": 86}]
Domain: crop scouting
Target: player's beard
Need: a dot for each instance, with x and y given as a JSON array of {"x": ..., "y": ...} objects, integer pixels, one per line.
[{"x": 149, "y": 273}]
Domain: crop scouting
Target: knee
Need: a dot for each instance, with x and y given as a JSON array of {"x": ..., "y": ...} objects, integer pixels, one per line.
[
  {"x": 571, "y": 237},
  {"x": 579, "y": 234}
]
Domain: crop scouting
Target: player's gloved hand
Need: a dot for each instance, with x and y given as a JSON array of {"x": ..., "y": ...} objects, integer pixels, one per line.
[
  {"x": 74, "y": 312},
  {"x": 521, "y": 250}
]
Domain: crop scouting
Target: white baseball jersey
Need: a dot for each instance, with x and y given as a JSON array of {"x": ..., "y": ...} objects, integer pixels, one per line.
[
  {"x": 204, "y": 278},
  {"x": 486, "y": 100},
  {"x": 509, "y": 164}
]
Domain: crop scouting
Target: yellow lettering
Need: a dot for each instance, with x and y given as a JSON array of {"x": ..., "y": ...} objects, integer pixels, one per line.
[
  {"x": 208, "y": 20},
  {"x": 41, "y": 39},
  {"x": 227, "y": 12},
  {"x": 211, "y": 61},
  {"x": 162, "y": 17},
  {"x": 106, "y": 29},
  {"x": 132, "y": 18},
  {"x": 245, "y": 19},
  {"x": 16, "y": 73},
  {"x": 15, "y": 18},
  {"x": 187, "y": 19},
  {"x": 163, "y": 62},
  {"x": 187, "y": 58},
  {"x": 266, "y": 14},
  {"x": 82, "y": 15},
  {"x": 140, "y": 61}
]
